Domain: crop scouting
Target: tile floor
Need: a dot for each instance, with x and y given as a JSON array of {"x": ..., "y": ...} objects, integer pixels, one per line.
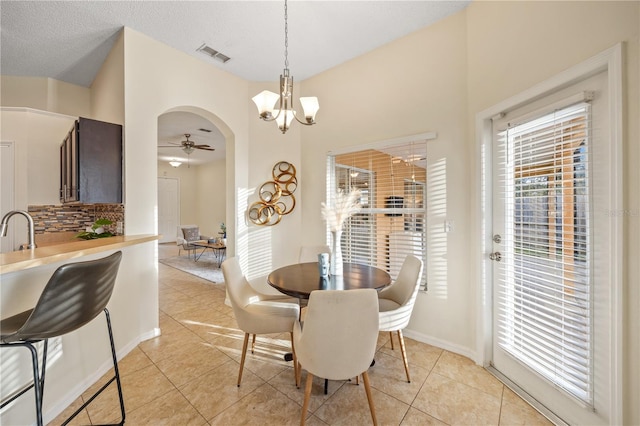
[{"x": 187, "y": 376}]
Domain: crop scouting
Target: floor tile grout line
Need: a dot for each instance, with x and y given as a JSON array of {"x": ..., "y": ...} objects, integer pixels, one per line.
[{"x": 430, "y": 370}]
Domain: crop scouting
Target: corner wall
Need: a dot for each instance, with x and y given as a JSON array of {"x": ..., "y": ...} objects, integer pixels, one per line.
[
  {"x": 45, "y": 94},
  {"x": 417, "y": 84}
]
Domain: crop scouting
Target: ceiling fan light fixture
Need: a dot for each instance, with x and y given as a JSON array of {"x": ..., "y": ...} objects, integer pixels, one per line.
[
  {"x": 175, "y": 163},
  {"x": 188, "y": 149}
]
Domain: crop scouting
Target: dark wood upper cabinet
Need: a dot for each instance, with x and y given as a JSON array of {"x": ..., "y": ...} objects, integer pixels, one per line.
[{"x": 91, "y": 163}]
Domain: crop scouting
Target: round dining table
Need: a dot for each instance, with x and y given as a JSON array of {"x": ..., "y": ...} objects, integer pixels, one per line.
[{"x": 300, "y": 279}]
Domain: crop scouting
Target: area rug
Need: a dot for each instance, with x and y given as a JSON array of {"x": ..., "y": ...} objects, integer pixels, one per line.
[{"x": 206, "y": 267}]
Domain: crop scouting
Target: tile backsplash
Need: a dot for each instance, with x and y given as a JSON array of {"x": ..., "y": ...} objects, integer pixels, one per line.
[{"x": 75, "y": 217}]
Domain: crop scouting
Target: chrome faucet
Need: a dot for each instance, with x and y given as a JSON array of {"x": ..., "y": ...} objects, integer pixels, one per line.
[{"x": 5, "y": 222}]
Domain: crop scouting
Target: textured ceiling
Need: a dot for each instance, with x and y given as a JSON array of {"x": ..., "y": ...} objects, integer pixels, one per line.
[{"x": 69, "y": 40}]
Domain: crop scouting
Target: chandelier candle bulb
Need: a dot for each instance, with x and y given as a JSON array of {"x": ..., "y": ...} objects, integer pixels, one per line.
[
  {"x": 265, "y": 101},
  {"x": 310, "y": 106}
]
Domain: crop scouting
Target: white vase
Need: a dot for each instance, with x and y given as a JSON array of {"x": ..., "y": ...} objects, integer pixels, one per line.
[{"x": 336, "y": 253}]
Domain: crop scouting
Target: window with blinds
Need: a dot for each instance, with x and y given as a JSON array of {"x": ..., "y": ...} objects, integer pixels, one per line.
[
  {"x": 545, "y": 306},
  {"x": 391, "y": 223}
]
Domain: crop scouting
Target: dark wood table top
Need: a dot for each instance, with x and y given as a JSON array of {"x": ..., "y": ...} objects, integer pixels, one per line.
[{"x": 301, "y": 279}]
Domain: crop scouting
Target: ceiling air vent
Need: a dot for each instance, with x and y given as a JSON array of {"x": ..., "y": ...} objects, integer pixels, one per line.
[
  {"x": 205, "y": 130},
  {"x": 213, "y": 53}
]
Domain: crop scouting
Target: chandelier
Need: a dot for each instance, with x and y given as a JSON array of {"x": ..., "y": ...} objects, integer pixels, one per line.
[{"x": 284, "y": 113}]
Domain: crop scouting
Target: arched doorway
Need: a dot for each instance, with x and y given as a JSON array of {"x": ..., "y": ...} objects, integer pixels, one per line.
[{"x": 199, "y": 190}]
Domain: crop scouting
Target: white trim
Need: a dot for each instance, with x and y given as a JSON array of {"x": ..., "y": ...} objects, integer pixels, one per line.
[
  {"x": 609, "y": 60},
  {"x": 524, "y": 395},
  {"x": 36, "y": 111},
  {"x": 438, "y": 343},
  {"x": 614, "y": 68}
]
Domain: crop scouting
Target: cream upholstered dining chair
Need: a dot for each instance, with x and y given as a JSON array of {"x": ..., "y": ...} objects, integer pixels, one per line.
[
  {"x": 338, "y": 340},
  {"x": 255, "y": 313},
  {"x": 397, "y": 300}
]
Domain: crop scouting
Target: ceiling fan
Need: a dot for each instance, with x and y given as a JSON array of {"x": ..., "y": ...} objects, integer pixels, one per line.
[{"x": 188, "y": 146}]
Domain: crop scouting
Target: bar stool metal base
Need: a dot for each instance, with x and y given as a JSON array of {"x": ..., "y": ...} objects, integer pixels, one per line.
[{"x": 38, "y": 377}]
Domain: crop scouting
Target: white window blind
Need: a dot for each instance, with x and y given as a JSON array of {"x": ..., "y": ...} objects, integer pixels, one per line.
[
  {"x": 391, "y": 224},
  {"x": 544, "y": 283}
]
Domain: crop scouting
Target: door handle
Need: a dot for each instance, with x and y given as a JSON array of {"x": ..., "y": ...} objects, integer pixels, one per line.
[{"x": 497, "y": 256}]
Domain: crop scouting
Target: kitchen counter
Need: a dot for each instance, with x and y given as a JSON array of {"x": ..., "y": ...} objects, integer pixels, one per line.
[
  {"x": 24, "y": 259},
  {"x": 79, "y": 359}
]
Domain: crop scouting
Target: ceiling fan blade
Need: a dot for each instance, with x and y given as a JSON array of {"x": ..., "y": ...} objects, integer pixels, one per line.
[
  {"x": 169, "y": 146},
  {"x": 204, "y": 147}
]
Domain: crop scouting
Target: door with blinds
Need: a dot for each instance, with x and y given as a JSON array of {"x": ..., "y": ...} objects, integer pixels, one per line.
[{"x": 551, "y": 179}]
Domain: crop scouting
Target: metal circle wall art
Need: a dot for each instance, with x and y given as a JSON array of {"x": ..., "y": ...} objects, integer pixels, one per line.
[{"x": 276, "y": 196}]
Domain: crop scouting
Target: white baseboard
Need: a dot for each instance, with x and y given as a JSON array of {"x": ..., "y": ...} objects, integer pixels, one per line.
[{"x": 442, "y": 344}]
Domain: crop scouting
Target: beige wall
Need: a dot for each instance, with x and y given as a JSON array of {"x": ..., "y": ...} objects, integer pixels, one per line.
[
  {"x": 434, "y": 80},
  {"x": 273, "y": 246},
  {"x": 415, "y": 85},
  {"x": 211, "y": 196},
  {"x": 159, "y": 79},
  {"x": 437, "y": 79},
  {"x": 37, "y": 136},
  {"x": 45, "y": 94},
  {"x": 514, "y": 45},
  {"x": 107, "y": 89}
]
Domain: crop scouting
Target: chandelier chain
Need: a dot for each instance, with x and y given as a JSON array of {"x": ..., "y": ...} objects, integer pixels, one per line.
[{"x": 286, "y": 37}]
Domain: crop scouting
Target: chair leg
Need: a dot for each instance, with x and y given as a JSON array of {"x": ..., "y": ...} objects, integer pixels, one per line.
[
  {"x": 367, "y": 388},
  {"x": 307, "y": 396},
  {"x": 116, "y": 378},
  {"x": 253, "y": 343},
  {"x": 244, "y": 353},
  {"x": 391, "y": 339},
  {"x": 295, "y": 362},
  {"x": 404, "y": 355},
  {"x": 38, "y": 379},
  {"x": 115, "y": 366},
  {"x": 45, "y": 348}
]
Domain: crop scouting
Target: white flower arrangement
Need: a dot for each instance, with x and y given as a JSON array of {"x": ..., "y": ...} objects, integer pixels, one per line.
[{"x": 344, "y": 205}]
